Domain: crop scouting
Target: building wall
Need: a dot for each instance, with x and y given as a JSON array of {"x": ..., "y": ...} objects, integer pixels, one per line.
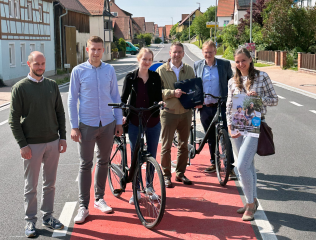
[
  {"x": 43, "y": 31},
  {"x": 82, "y": 39},
  {"x": 238, "y": 15},
  {"x": 221, "y": 20}
]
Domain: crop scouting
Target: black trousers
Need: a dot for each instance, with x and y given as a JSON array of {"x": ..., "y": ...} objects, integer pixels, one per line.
[{"x": 207, "y": 114}]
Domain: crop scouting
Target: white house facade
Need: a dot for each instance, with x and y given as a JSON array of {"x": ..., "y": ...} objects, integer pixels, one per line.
[
  {"x": 223, "y": 21},
  {"x": 25, "y": 26}
]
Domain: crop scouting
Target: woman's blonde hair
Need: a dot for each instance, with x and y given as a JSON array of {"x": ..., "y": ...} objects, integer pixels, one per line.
[{"x": 143, "y": 51}]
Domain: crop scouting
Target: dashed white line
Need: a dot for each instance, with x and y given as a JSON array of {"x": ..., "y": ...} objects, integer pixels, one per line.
[
  {"x": 4, "y": 122},
  {"x": 65, "y": 218},
  {"x": 189, "y": 57},
  {"x": 4, "y": 108},
  {"x": 313, "y": 111},
  {"x": 297, "y": 104},
  {"x": 281, "y": 97}
]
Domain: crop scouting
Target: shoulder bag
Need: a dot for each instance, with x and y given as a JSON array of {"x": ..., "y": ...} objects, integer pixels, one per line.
[{"x": 265, "y": 142}]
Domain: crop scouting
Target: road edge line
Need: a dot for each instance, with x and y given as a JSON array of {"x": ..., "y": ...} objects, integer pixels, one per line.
[
  {"x": 65, "y": 218},
  {"x": 264, "y": 227}
]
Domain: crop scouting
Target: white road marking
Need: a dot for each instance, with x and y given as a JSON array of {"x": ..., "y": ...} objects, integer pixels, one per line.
[
  {"x": 297, "y": 104},
  {"x": 4, "y": 122},
  {"x": 158, "y": 52},
  {"x": 313, "y": 111},
  {"x": 4, "y": 108},
  {"x": 260, "y": 217},
  {"x": 281, "y": 97},
  {"x": 65, "y": 218},
  {"x": 189, "y": 57}
]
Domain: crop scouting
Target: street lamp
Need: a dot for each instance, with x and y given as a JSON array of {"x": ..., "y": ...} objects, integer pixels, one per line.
[
  {"x": 215, "y": 21},
  {"x": 189, "y": 21},
  {"x": 250, "y": 21}
]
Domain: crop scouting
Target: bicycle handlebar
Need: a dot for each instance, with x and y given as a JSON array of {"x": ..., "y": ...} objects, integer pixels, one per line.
[
  {"x": 208, "y": 94},
  {"x": 126, "y": 106}
]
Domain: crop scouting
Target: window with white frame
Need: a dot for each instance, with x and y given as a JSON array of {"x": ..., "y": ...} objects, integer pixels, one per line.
[
  {"x": 29, "y": 11},
  {"x": 40, "y": 11},
  {"x": 32, "y": 47},
  {"x": 11, "y": 9},
  {"x": 226, "y": 22},
  {"x": 42, "y": 49},
  {"x": 12, "y": 54},
  {"x": 17, "y": 8},
  {"x": 23, "y": 53},
  {"x": 114, "y": 14}
]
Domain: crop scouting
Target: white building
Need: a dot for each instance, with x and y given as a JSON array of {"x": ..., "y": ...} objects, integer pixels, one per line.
[
  {"x": 306, "y": 3},
  {"x": 225, "y": 11},
  {"x": 25, "y": 26}
]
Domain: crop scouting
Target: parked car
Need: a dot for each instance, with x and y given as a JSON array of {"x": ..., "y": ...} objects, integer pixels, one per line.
[{"x": 130, "y": 48}]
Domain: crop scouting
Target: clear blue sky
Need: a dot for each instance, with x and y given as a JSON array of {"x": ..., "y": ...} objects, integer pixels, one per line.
[{"x": 161, "y": 11}]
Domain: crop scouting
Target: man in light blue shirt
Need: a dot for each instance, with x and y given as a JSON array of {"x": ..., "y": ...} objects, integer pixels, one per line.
[
  {"x": 215, "y": 74},
  {"x": 94, "y": 84}
]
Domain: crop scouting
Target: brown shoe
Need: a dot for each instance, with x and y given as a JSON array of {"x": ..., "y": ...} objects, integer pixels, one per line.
[
  {"x": 210, "y": 169},
  {"x": 251, "y": 216},
  {"x": 168, "y": 183},
  {"x": 184, "y": 179},
  {"x": 232, "y": 175},
  {"x": 243, "y": 209}
]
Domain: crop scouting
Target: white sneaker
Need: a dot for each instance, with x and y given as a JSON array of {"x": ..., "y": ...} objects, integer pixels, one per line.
[
  {"x": 151, "y": 193},
  {"x": 101, "y": 205},
  {"x": 82, "y": 214},
  {"x": 131, "y": 201}
]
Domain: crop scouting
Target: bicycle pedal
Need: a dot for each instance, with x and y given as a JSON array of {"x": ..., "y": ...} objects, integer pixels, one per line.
[
  {"x": 117, "y": 191},
  {"x": 127, "y": 168}
]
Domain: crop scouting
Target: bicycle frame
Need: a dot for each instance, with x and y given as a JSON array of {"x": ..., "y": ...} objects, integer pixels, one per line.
[{"x": 216, "y": 120}]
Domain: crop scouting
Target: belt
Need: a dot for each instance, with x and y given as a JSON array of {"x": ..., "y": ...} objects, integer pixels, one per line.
[{"x": 211, "y": 105}]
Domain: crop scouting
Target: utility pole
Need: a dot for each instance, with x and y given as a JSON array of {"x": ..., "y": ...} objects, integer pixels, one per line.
[
  {"x": 250, "y": 21},
  {"x": 215, "y": 21},
  {"x": 172, "y": 20}
]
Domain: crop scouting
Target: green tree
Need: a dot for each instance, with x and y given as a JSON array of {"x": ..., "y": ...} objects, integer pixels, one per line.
[
  {"x": 158, "y": 40},
  {"x": 173, "y": 30},
  {"x": 147, "y": 36},
  {"x": 229, "y": 34},
  {"x": 121, "y": 45},
  {"x": 199, "y": 23}
]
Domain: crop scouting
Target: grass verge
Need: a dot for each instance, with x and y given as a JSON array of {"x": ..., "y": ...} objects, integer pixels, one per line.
[
  {"x": 62, "y": 80},
  {"x": 262, "y": 65}
]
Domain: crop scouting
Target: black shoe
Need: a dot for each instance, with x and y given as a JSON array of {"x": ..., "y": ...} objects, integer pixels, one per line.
[
  {"x": 210, "y": 169},
  {"x": 184, "y": 179},
  {"x": 168, "y": 183}
]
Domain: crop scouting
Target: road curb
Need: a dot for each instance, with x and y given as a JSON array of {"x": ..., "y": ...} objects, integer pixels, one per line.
[{"x": 6, "y": 104}]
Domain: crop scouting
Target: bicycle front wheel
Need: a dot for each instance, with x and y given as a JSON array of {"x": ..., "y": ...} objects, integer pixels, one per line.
[
  {"x": 115, "y": 169},
  {"x": 223, "y": 156},
  {"x": 149, "y": 193}
]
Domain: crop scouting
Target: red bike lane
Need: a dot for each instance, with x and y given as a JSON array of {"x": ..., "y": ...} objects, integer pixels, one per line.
[{"x": 204, "y": 210}]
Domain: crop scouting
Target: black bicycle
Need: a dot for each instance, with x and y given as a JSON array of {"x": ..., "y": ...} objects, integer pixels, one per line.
[
  {"x": 223, "y": 150},
  {"x": 144, "y": 172}
]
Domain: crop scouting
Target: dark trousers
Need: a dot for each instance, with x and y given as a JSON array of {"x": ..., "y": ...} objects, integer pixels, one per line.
[{"x": 207, "y": 114}]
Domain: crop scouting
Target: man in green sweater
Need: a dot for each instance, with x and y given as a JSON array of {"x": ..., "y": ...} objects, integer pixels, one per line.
[{"x": 37, "y": 121}]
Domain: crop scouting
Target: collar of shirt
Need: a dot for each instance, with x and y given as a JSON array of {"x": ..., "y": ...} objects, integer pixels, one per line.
[
  {"x": 91, "y": 66},
  {"x": 215, "y": 63},
  {"x": 34, "y": 80},
  {"x": 173, "y": 67}
]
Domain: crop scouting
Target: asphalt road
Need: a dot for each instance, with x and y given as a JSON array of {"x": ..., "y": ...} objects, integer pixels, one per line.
[{"x": 286, "y": 182}]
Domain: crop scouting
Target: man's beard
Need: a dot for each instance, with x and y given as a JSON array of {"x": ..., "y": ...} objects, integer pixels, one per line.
[{"x": 38, "y": 75}]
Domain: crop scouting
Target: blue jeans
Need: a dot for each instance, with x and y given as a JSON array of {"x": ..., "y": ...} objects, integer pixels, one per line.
[
  {"x": 246, "y": 148},
  {"x": 152, "y": 137}
]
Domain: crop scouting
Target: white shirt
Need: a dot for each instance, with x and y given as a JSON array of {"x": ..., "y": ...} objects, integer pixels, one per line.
[
  {"x": 34, "y": 80},
  {"x": 175, "y": 69}
]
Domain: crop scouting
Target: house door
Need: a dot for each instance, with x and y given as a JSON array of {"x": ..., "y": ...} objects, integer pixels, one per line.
[{"x": 71, "y": 46}]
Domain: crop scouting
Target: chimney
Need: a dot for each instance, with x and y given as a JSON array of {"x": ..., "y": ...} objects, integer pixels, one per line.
[{"x": 184, "y": 16}]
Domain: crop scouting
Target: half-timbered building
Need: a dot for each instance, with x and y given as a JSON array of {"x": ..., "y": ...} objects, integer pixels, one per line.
[{"x": 25, "y": 26}]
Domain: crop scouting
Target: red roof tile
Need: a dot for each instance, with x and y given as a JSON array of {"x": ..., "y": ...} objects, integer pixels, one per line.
[
  {"x": 225, "y": 8},
  {"x": 95, "y": 7},
  {"x": 74, "y": 5},
  {"x": 187, "y": 17}
]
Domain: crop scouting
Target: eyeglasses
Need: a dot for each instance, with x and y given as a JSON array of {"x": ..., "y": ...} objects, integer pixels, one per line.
[{"x": 209, "y": 52}]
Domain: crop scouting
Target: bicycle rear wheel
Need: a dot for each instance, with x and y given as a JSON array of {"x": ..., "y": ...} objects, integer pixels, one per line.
[
  {"x": 150, "y": 207},
  {"x": 115, "y": 169},
  {"x": 223, "y": 156}
]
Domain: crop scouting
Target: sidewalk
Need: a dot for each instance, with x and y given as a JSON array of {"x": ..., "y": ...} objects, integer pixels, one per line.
[{"x": 302, "y": 81}]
